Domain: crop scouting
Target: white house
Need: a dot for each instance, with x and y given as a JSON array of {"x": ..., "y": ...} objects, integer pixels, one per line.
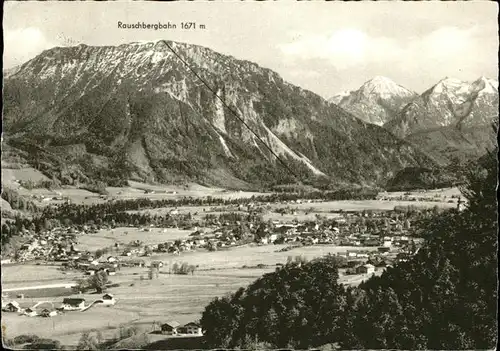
[
  {"x": 366, "y": 269},
  {"x": 108, "y": 299},
  {"x": 73, "y": 304},
  {"x": 30, "y": 312},
  {"x": 12, "y": 306},
  {"x": 48, "y": 313},
  {"x": 191, "y": 329}
]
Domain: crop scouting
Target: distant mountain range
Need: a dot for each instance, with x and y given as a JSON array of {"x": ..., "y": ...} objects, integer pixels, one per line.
[
  {"x": 450, "y": 102},
  {"x": 450, "y": 121},
  {"x": 136, "y": 111}
]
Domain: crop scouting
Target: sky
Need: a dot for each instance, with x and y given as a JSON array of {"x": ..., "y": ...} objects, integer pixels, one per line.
[{"x": 326, "y": 47}]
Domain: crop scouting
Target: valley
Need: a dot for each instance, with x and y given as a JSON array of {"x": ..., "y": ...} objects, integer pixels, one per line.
[{"x": 230, "y": 245}]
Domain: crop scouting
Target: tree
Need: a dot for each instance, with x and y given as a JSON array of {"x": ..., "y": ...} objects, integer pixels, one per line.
[
  {"x": 88, "y": 342},
  {"x": 98, "y": 281},
  {"x": 153, "y": 272}
]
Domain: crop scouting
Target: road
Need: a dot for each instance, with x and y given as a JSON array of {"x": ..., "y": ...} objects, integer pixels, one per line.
[{"x": 61, "y": 285}]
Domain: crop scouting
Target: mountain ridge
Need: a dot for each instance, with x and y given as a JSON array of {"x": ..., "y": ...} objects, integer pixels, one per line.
[{"x": 137, "y": 111}]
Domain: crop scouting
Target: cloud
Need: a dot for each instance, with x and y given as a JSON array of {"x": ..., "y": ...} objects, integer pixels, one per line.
[
  {"x": 348, "y": 48},
  {"x": 344, "y": 48},
  {"x": 23, "y": 44}
]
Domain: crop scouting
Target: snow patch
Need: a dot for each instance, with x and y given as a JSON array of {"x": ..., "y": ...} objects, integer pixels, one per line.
[
  {"x": 219, "y": 117},
  {"x": 225, "y": 147},
  {"x": 280, "y": 147}
]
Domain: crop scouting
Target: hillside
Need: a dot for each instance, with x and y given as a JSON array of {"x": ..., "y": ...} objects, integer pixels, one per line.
[
  {"x": 377, "y": 101},
  {"x": 135, "y": 111}
]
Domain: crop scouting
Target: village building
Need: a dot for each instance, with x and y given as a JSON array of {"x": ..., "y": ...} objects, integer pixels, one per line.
[
  {"x": 384, "y": 249},
  {"x": 73, "y": 304},
  {"x": 110, "y": 270},
  {"x": 48, "y": 313},
  {"x": 12, "y": 306},
  {"x": 30, "y": 312},
  {"x": 191, "y": 328},
  {"x": 170, "y": 328},
  {"x": 366, "y": 269},
  {"x": 108, "y": 299}
]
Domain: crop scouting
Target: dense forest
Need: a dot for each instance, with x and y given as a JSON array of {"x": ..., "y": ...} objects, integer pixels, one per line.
[{"x": 443, "y": 298}]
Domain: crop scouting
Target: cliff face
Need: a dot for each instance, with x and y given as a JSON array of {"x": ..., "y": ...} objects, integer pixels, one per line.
[{"x": 137, "y": 111}]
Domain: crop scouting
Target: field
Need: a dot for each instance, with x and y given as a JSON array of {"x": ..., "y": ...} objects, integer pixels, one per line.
[
  {"x": 143, "y": 302},
  {"x": 124, "y": 235}
]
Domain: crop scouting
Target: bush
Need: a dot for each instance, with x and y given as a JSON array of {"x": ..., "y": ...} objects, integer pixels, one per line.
[
  {"x": 127, "y": 332},
  {"x": 44, "y": 344},
  {"x": 26, "y": 338}
]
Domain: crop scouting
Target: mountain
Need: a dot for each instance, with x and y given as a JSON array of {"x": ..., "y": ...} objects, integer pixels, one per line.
[
  {"x": 452, "y": 121},
  {"x": 450, "y": 102},
  {"x": 136, "y": 111},
  {"x": 376, "y": 101}
]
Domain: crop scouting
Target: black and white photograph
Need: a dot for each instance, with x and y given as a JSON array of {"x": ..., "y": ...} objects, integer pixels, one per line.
[{"x": 249, "y": 175}]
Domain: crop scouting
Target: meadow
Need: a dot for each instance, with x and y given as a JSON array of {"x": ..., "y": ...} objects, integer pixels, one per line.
[{"x": 124, "y": 235}]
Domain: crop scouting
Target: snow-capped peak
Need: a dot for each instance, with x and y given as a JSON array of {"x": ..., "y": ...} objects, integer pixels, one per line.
[
  {"x": 384, "y": 87},
  {"x": 450, "y": 84},
  {"x": 485, "y": 85}
]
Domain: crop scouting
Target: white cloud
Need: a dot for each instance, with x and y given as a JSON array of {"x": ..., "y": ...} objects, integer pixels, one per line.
[
  {"x": 349, "y": 48},
  {"x": 343, "y": 48},
  {"x": 23, "y": 44},
  {"x": 444, "y": 43}
]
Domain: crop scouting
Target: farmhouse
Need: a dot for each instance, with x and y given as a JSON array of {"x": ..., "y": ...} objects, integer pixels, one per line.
[
  {"x": 170, "y": 328},
  {"x": 191, "y": 328},
  {"x": 110, "y": 270},
  {"x": 73, "y": 304},
  {"x": 134, "y": 263},
  {"x": 30, "y": 312},
  {"x": 366, "y": 269},
  {"x": 108, "y": 299},
  {"x": 12, "y": 306},
  {"x": 157, "y": 264},
  {"x": 48, "y": 313}
]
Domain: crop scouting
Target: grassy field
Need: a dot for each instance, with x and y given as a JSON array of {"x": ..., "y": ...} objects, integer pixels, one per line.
[
  {"x": 444, "y": 194},
  {"x": 23, "y": 275},
  {"x": 141, "y": 301},
  {"x": 22, "y": 174},
  {"x": 124, "y": 235},
  {"x": 251, "y": 255}
]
